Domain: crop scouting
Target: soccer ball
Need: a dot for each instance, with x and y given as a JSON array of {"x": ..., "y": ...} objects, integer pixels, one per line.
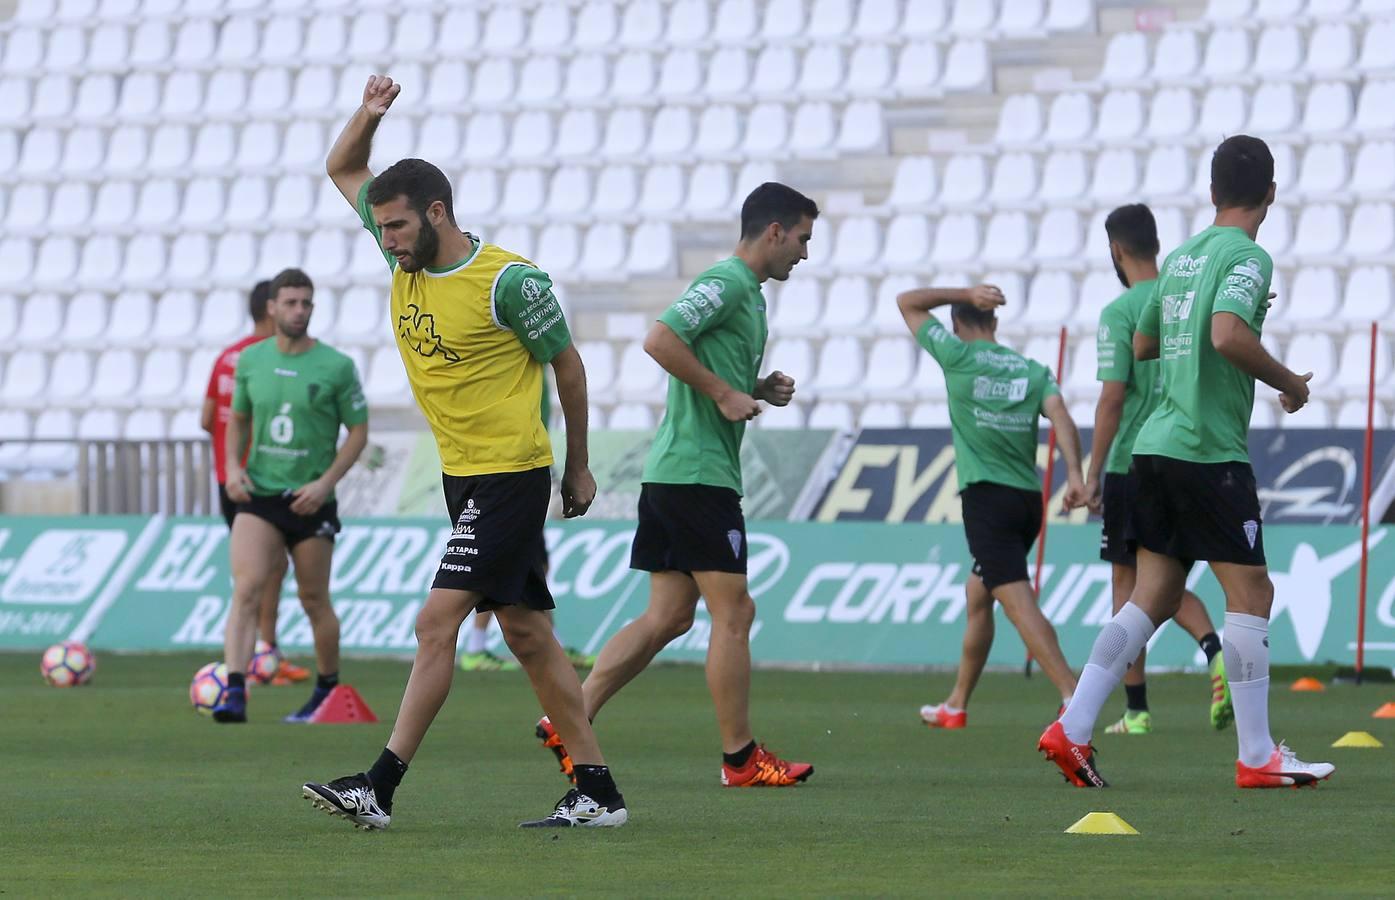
[
  {"x": 68, "y": 664},
  {"x": 209, "y": 688},
  {"x": 265, "y": 661}
]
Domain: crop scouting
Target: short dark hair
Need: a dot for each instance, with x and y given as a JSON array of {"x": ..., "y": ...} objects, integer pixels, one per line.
[
  {"x": 290, "y": 278},
  {"x": 1242, "y": 169},
  {"x": 417, "y": 180},
  {"x": 971, "y": 316},
  {"x": 256, "y": 301},
  {"x": 774, "y": 202},
  {"x": 1135, "y": 229}
]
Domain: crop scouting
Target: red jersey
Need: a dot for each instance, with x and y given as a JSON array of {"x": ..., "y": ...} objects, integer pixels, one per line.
[{"x": 220, "y": 390}]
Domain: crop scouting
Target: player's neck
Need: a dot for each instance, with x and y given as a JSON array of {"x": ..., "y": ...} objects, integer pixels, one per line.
[
  {"x": 291, "y": 346},
  {"x": 970, "y": 335},
  {"x": 1138, "y": 271},
  {"x": 753, "y": 261},
  {"x": 455, "y": 247},
  {"x": 1247, "y": 220},
  {"x": 264, "y": 329}
]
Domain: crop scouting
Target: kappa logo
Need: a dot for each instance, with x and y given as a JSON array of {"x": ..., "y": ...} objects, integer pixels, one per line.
[
  {"x": 734, "y": 538},
  {"x": 418, "y": 331},
  {"x": 1251, "y": 531}
]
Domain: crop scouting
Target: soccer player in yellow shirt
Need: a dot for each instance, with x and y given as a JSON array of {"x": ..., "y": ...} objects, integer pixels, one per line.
[{"x": 475, "y": 325}]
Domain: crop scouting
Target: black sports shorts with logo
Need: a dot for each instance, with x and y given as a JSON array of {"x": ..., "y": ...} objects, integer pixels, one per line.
[
  {"x": 497, "y": 547},
  {"x": 294, "y": 528},
  {"x": 1119, "y": 538},
  {"x": 689, "y": 528},
  {"x": 226, "y": 505},
  {"x": 1001, "y": 524},
  {"x": 1199, "y": 511}
]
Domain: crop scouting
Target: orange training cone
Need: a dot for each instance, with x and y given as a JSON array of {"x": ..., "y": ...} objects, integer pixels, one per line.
[
  {"x": 343, "y": 706},
  {"x": 1307, "y": 684},
  {"x": 1385, "y": 712}
]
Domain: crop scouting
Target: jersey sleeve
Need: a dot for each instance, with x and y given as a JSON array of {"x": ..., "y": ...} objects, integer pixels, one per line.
[
  {"x": 242, "y": 401},
  {"x": 525, "y": 304},
  {"x": 1148, "y": 319},
  {"x": 365, "y": 214},
  {"x": 942, "y": 344},
  {"x": 352, "y": 405},
  {"x": 1113, "y": 347},
  {"x": 212, "y": 392},
  {"x": 1245, "y": 286},
  {"x": 701, "y": 308}
]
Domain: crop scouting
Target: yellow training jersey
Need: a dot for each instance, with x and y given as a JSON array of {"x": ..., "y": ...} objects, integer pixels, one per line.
[{"x": 474, "y": 337}]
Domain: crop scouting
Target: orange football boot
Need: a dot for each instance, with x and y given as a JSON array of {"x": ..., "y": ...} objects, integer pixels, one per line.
[
  {"x": 1076, "y": 761},
  {"x": 551, "y": 740},
  {"x": 765, "y": 769},
  {"x": 290, "y": 673}
]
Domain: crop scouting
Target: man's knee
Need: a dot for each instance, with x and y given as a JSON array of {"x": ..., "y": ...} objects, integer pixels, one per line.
[
  {"x": 434, "y": 631},
  {"x": 735, "y": 614},
  {"x": 673, "y": 623},
  {"x": 527, "y": 633}
]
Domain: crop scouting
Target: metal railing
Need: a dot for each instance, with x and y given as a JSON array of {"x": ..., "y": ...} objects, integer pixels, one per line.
[{"x": 173, "y": 477}]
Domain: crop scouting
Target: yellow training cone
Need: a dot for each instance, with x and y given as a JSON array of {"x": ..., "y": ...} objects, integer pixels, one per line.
[
  {"x": 1101, "y": 823},
  {"x": 1358, "y": 739}
]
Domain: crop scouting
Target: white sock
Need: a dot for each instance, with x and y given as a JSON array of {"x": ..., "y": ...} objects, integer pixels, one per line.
[
  {"x": 1246, "y": 648},
  {"x": 1116, "y": 646},
  {"x": 477, "y": 640}
]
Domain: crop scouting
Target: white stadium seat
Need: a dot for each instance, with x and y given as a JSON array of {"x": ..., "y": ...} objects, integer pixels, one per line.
[
  {"x": 1279, "y": 51},
  {"x": 1372, "y": 231},
  {"x": 848, "y": 306},
  {"x": 1120, "y": 116},
  {"x": 1227, "y": 53},
  {"x": 1177, "y": 55},
  {"x": 914, "y": 185},
  {"x": 1329, "y": 108},
  {"x": 1064, "y": 176},
  {"x": 1368, "y": 295},
  {"x": 1126, "y": 58},
  {"x": 965, "y": 179}
]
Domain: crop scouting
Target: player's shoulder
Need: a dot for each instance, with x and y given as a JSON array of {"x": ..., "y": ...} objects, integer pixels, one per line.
[
  {"x": 332, "y": 354},
  {"x": 728, "y": 276},
  {"x": 250, "y": 349}
]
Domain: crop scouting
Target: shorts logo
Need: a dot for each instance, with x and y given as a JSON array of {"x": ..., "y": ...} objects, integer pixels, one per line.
[
  {"x": 734, "y": 538},
  {"x": 452, "y": 567},
  {"x": 469, "y": 514},
  {"x": 464, "y": 532},
  {"x": 1251, "y": 531}
]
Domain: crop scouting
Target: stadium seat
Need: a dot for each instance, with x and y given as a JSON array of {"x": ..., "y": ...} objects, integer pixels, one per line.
[
  {"x": 856, "y": 243},
  {"x": 956, "y": 239},
  {"x": 1375, "y": 111},
  {"x": 680, "y": 75},
  {"x": 907, "y": 243},
  {"x": 671, "y": 134},
  {"x": 1050, "y": 299},
  {"x": 41, "y": 148},
  {"x": 1172, "y": 114},
  {"x": 1273, "y": 108},
  {"x": 1353, "y": 414},
  {"x": 718, "y": 131},
  {"x": 709, "y": 190},
  {"x": 1120, "y": 116},
  {"x": 1070, "y": 15},
  {"x": 661, "y": 195},
  {"x": 1221, "y": 108},
  {"x": 99, "y": 425},
  {"x": 1176, "y": 56},
  {"x": 1064, "y": 177},
  {"x": 1115, "y": 177},
  {"x": 1014, "y": 179},
  {"x": 617, "y": 191},
  {"x": 1331, "y": 50},
  {"x": 1097, "y": 290},
  {"x": 115, "y": 205},
  {"x": 1125, "y": 58},
  {"x": 603, "y": 253},
  {"x": 1368, "y": 295},
  {"x": 1167, "y": 172},
  {"x": 202, "y": 202},
  {"x": 965, "y": 180},
  {"x": 1315, "y": 298},
  {"x": 57, "y": 262},
  {"x": 831, "y": 415},
  {"x": 929, "y": 415},
  {"x": 893, "y": 364},
  {"x": 1227, "y": 54},
  {"x": 476, "y": 194},
  {"x": 882, "y": 414},
  {"x": 631, "y": 417},
  {"x": 796, "y": 308},
  {"x": 1374, "y": 169},
  {"x": 822, "y": 70},
  {"x": 1020, "y": 120},
  {"x": 385, "y": 382},
  {"x": 1007, "y": 238},
  {"x": 234, "y": 257},
  {"x": 929, "y": 380},
  {"x": 1279, "y": 51},
  {"x": 967, "y": 67},
  {"x": 190, "y": 257},
  {"x": 689, "y": 22},
  {"x": 559, "y": 248},
  {"x": 224, "y": 313},
  {"x": 1354, "y": 372},
  {"x": 1070, "y": 118},
  {"x": 53, "y": 98},
  {"x": 914, "y": 186},
  {"x": 1329, "y": 108},
  {"x": 362, "y": 316},
  {"x": 85, "y": 319},
  {"x": 813, "y": 129},
  {"x": 96, "y": 97},
  {"x": 642, "y": 24},
  {"x": 651, "y": 250},
  {"x": 626, "y": 133},
  {"x": 848, "y": 305},
  {"x": 523, "y": 192},
  {"x": 162, "y": 374},
  {"x": 1312, "y": 352},
  {"x": 919, "y": 70},
  {"x": 870, "y": 70},
  {"x": 40, "y": 320},
  {"x": 639, "y": 377},
  {"x": 1320, "y": 230},
  {"x": 1324, "y": 170},
  {"x": 1021, "y": 18},
  {"x": 26, "y": 378},
  {"x": 1058, "y": 237},
  {"x": 169, "y": 148},
  {"x": 1378, "y": 47},
  {"x": 1372, "y": 231}
]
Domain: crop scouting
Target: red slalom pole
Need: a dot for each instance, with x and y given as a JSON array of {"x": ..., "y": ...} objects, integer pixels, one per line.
[
  {"x": 1046, "y": 488},
  {"x": 1366, "y": 509}
]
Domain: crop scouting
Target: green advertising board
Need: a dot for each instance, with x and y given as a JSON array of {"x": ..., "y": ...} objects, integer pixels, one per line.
[{"x": 847, "y": 593}]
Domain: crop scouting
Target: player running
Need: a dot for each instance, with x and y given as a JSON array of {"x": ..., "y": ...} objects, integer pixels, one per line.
[
  {"x": 1129, "y": 393},
  {"x": 691, "y": 535},
  {"x": 217, "y": 408},
  {"x": 291, "y": 395},
  {"x": 1196, "y": 490},
  {"x": 995, "y": 398},
  {"x": 474, "y": 324}
]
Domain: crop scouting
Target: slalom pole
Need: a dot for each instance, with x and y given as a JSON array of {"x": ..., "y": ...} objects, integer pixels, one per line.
[
  {"x": 1046, "y": 491},
  {"x": 1366, "y": 509}
]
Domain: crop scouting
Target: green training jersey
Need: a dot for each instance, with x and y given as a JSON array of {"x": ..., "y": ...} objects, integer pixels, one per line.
[
  {"x": 296, "y": 403},
  {"x": 722, "y": 317},
  {"x": 1142, "y": 379},
  {"x": 1204, "y": 413},
  {"x": 995, "y": 398}
]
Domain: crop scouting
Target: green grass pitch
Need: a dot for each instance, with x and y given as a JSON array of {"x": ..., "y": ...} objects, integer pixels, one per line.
[{"x": 119, "y": 788}]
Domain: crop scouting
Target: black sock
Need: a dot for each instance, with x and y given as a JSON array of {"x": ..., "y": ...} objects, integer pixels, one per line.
[
  {"x": 1210, "y": 645},
  {"x": 740, "y": 757},
  {"x": 596, "y": 783},
  {"x": 237, "y": 680},
  {"x": 326, "y": 682},
  {"x": 1137, "y": 697},
  {"x": 386, "y": 774}
]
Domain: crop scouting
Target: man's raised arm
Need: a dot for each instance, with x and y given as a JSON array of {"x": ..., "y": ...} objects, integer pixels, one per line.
[{"x": 347, "y": 163}]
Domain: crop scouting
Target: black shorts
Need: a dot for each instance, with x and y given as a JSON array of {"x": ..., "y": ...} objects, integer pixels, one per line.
[
  {"x": 1119, "y": 539},
  {"x": 689, "y": 528},
  {"x": 294, "y": 528},
  {"x": 1001, "y": 524},
  {"x": 497, "y": 547},
  {"x": 1199, "y": 511},
  {"x": 226, "y": 505}
]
